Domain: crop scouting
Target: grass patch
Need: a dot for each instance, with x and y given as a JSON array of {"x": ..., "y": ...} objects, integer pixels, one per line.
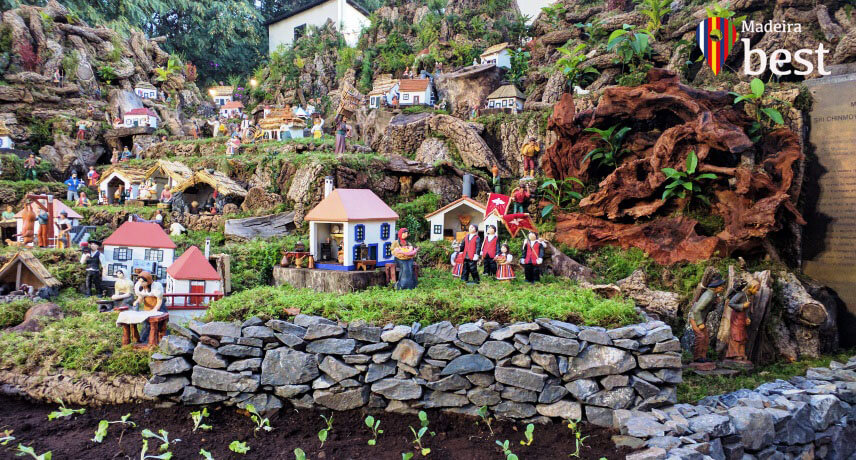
[
  {"x": 439, "y": 297},
  {"x": 12, "y": 313},
  {"x": 695, "y": 387}
]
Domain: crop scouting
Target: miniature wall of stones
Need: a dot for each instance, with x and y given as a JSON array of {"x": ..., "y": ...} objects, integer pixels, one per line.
[{"x": 531, "y": 370}]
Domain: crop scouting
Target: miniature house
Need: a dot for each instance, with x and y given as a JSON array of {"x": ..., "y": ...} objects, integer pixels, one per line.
[
  {"x": 25, "y": 269},
  {"x": 58, "y": 207},
  {"x": 202, "y": 185},
  {"x": 345, "y": 221},
  {"x": 348, "y": 16},
  {"x": 221, "y": 95},
  {"x": 192, "y": 274},
  {"x": 135, "y": 247},
  {"x": 384, "y": 90},
  {"x": 507, "y": 98},
  {"x": 451, "y": 221},
  {"x": 146, "y": 90},
  {"x": 111, "y": 179},
  {"x": 497, "y": 55},
  {"x": 140, "y": 117},
  {"x": 415, "y": 92},
  {"x": 167, "y": 174},
  {"x": 280, "y": 124},
  {"x": 231, "y": 109}
]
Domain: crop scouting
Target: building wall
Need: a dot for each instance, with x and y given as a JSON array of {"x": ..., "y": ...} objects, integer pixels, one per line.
[
  {"x": 450, "y": 220},
  {"x": 137, "y": 253},
  {"x": 353, "y": 23},
  {"x": 503, "y": 59},
  {"x": 424, "y": 97},
  {"x": 282, "y": 32},
  {"x": 141, "y": 120},
  {"x": 318, "y": 233}
]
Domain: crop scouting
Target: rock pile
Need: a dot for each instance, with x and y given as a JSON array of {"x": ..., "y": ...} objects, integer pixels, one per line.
[
  {"x": 531, "y": 371},
  {"x": 805, "y": 417}
]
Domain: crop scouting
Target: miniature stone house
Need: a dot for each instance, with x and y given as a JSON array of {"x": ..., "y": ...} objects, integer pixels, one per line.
[
  {"x": 384, "y": 90},
  {"x": 497, "y": 55},
  {"x": 167, "y": 174},
  {"x": 144, "y": 117},
  {"x": 450, "y": 222},
  {"x": 138, "y": 246},
  {"x": 130, "y": 178},
  {"x": 507, "y": 98},
  {"x": 202, "y": 185}
]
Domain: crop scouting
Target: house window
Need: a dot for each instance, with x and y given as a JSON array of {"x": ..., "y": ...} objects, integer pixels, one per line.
[
  {"x": 299, "y": 31},
  {"x": 155, "y": 255},
  {"x": 359, "y": 233},
  {"x": 438, "y": 229},
  {"x": 387, "y": 250},
  {"x": 122, "y": 254},
  {"x": 113, "y": 268},
  {"x": 356, "y": 252},
  {"x": 161, "y": 273},
  {"x": 405, "y": 97},
  {"x": 384, "y": 231},
  {"x": 504, "y": 103}
]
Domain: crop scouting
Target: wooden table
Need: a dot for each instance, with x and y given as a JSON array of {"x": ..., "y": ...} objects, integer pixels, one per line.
[
  {"x": 366, "y": 265},
  {"x": 131, "y": 336}
]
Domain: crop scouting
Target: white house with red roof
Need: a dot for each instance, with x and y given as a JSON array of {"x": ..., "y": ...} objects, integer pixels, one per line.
[
  {"x": 143, "y": 116},
  {"x": 447, "y": 222},
  {"x": 417, "y": 91},
  {"x": 143, "y": 246},
  {"x": 191, "y": 273},
  {"x": 231, "y": 109}
]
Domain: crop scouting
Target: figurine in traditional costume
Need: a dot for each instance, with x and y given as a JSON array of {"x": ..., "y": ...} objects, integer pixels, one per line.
[
  {"x": 404, "y": 254},
  {"x": 92, "y": 259},
  {"x": 497, "y": 181},
  {"x": 532, "y": 257},
  {"x": 44, "y": 221},
  {"x": 342, "y": 130},
  {"x": 529, "y": 152},
  {"x": 504, "y": 260},
  {"x": 123, "y": 290},
  {"x": 30, "y": 167},
  {"x": 472, "y": 248},
  {"x": 317, "y": 126},
  {"x": 83, "y": 201},
  {"x": 519, "y": 196},
  {"x": 233, "y": 145},
  {"x": 698, "y": 313},
  {"x": 490, "y": 247},
  {"x": 457, "y": 260},
  {"x": 92, "y": 176},
  {"x": 741, "y": 304},
  {"x": 149, "y": 299}
]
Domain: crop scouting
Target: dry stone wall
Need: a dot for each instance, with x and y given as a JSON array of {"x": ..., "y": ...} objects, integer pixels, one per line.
[{"x": 528, "y": 371}]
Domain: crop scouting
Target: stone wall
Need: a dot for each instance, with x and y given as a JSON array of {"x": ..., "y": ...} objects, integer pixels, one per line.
[{"x": 530, "y": 371}]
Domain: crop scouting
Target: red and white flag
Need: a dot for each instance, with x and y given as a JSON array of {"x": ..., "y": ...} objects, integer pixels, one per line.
[
  {"x": 515, "y": 222},
  {"x": 497, "y": 203}
]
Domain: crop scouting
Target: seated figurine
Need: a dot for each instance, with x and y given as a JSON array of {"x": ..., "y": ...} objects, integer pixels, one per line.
[
  {"x": 123, "y": 290},
  {"x": 149, "y": 303}
]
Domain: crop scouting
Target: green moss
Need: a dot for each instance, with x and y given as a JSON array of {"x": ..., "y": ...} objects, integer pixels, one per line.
[{"x": 12, "y": 313}]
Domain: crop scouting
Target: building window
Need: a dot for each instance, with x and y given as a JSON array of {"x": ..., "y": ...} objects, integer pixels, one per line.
[
  {"x": 161, "y": 273},
  {"x": 155, "y": 255},
  {"x": 122, "y": 254},
  {"x": 438, "y": 229},
  {"x": 356, "y": 252},
  {"x": 387, "y": 250},
  {"x": 384, "y": 231},
  {"x": 113, "y": 268},
  {"x": 359, "y": 233},
  {"x": 299, "y": 31},
  {"x": 405, "y": 97}
]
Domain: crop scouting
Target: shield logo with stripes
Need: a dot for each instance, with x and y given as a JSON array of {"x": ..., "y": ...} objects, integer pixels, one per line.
[{"x": 716, "y": 36}]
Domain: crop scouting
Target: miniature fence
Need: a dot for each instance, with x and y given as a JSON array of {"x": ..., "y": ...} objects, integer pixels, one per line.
[{"x": 190, "y": 301}]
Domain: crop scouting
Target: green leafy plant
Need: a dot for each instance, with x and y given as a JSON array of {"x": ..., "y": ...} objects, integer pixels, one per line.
[
  {"x": 529, "y": 434},
  {"x": 406, "y": 455},
  {"x": 519, "y": 65},
  {"x": 633, "y": 50},
  {"x": 239, "y": 447},
  {"x": 593, "y": 30},
  {"x": 299, "y": 454},
  {"x": 579, "y": 439},
  {"x": 374, "y": 425},
  {"x": 571, "y": 65},
  {"x": 6, "y": 437},
  {"x": 506, "y": 449},
  {"x": 197, "y": 420},
  {"x": 107, "y": 73},
  {"x": 162, "y": 436},
  {"x": 103, "y": 425},
  {"x": 555, "y": 13},
  {"x": 145, "y": 449},
  {"x": 719, "y": 11},
  {"x": 418, "y": 435},
  {"x": 205, "y": 454},
  {"x": 64, "y": 411},
  {"x": 655, "y": 11},
  {"x": 486, "y": 418},
  {"x": 560, "y": 194},
  {"x": 682, "y": 182},
  {"x": 26, "y": 450},
  {"x": 322, "y": 435},
  {"x": 765, "y": 117},
  {"x": 262, "y": 423},
  {"x": 609, "y": 150}
]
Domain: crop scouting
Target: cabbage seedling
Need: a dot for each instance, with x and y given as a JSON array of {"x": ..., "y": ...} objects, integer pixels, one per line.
[
  {"x": 373, "y": 425},
  {"x": 579, "y": 439},
  {"x": 25, "y": 450},
  {"x": 486, "y": 418},
  {"x": 506, "y": 450},
  {"x": 299, "y": 454},
  {"x": 322, "y": 435},
  {"x": 239, "y": 447},
  {"x": 205, "y": 454},
  {"x": 261, "y": 423},
  {"x": 143, "y": 456},
  {"x": 406, "y": 455},
  {"x": 162, "y": 436},
  {"x": 101, "y": 431},
  {"x": 530, "y": 435},
  {"x": 6, "y": 437},
  {"x": 64, "y": 411},
  {"x": 197, "y": 420}
]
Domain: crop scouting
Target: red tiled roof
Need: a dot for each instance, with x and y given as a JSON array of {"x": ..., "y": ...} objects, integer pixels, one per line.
[
  {"x": 142, "y": 111},
  {"x": 192, "y": 265},
  {"x": 140, "y": 235},
  {"x": 420, "y": 84},
  {"x": 232, "y": 105}
]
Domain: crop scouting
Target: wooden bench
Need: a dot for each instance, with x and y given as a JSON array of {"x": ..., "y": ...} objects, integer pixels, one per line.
[
  {"x": 157, "y": 324},
  {"x": 366, "y": 265}
]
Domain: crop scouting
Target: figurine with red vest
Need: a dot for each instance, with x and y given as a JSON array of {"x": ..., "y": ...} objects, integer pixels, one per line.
[
  {"x": 519, "y": 197},
  {"x": 457, "y": 260},
  {"x": 489, "y": 250},
  {"x": 472, "y": 248},
  {"x": 533, "y": 256}
]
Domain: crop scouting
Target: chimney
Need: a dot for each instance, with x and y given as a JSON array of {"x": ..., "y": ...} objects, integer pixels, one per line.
[
  {"x": 328, "y": 185},
  {"x": 207, "y": 248},
  {"x": 467, "y": 185}
]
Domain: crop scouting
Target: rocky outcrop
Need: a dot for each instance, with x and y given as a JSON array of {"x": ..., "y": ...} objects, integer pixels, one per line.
[
  {"x": 468, "y": 88},
  {"x": 92, "y": 389}
]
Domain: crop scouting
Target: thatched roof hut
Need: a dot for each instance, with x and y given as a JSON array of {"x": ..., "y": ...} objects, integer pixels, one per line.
[
  {"x": 25, "y": 268},
  {"x": 202, "y": 185}
]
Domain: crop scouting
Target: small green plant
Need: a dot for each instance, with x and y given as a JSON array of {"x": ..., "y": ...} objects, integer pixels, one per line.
[
  {"x": 299, "y": 454},
  {"x": 103, "y": 425},
  {"x": 610, "y": 150},
  {"x": 418, "y": 435},
  {"x": 197, "y": 420},
  {"x": 579, "y": 439},
  {"x": 205, "y": 454},
  {"x": 719, "y": 11},
  {"x": 519, "y": 65},
  {"x": 239, "y": 447},
  {"x": 560, "y": 194},
  {"x": 506, "y": 449},
  {"x": 406, "y": 455},
  {"x": 64, "y": 411},
  {"x": 686, "y": 181},
  {"x": 571, "y": 65},
  {"x": 322, "y": 435},
  {"x": 162, "y": 436},
  {"x": 107, "y": 73},
  {"x": 374, "y": 425},
  {"x": 529, "y": 434},
  {"x": 262, "y": 423},
  {"x": 145, "y": 449},
  {"x": 25, "y": 450},
  {"x": 486, "y": 418},
  {"x": 763, "y": 115},
  {"x": 555, "y": 13},
  {"x": 655, "y": 11},
  {"x": 633, "y": 50},
  {"x": 6, "y": 437}
]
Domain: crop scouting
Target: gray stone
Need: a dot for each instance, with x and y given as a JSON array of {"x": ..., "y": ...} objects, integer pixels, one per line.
[
  {"x": 510, "y": 409},
  {"x": 359, "y": 330},
  {"x": 254, "y": 321},
  {"x": 825, "y": 410},
  {"x": 322, "y": 331},
  {"x": 495, "y": 349},
  {"x": 284, "y": 366},
  {"x": 175, "y": 329},
  {"x": 172, "y": 366},
  {"x": 378, "y": 371},
  {"x": 332, "y": 346},
  {"x": 472, "y": 334},
  {"x": 547, "y": 361},
  {"x": 671, "y": 361},
  {"x": 290, "y": 391},
  {"x": 645, "y": 389},
  {"x": 395, "y": 334},
  {"x": 660, "y": 334},
  {"x": 797, "y": 428},
  {"x": 240, "y": 351},
  {"x": 653, "y": 453},
  {"x": 551, "y": 394},
  {"x": 596, "y": 360},
  {"x": 289, "y": 339},
  {"x": 356, "y": 359},
  {"x": 627, "y": 332},
  {"x": 754, "y": 426},
  {"x": 582, "y": 388},
  {"x": 559, "y": 328},
  {"x": 265, "y": 404},
  {"x": 444, "y": 351},
  {"x": 250, "y": 341},
  {"x": 436, "y": 399},
  {"x": 665, "y": 442},
  {"x": 612, "y": 381},
  {"x": 670, "y": 375},
  {"x": 252, "y": 364},
  {"x": 715, "y": 425},
  {"x": 523, "y": 361},
  {"x": 287, "y": 327},
  {"x": 626, "y": 344},
  {"x": 336, "y": 370},
  {"x": 306, "y": 320},
  {"x": 562, "y": 409},
  {"x": 408, "y": 352},
  {"x": 481, "y": 379},
  {"x": 599, "y": 416},
  {"x": 550, "y": 344},
  {"x": 668, "y": 345},
  {"x": 597, "y": 336},
  {"x": 441, "y": 332},
  {"x": 381, "y": 357},
  {"x": 257, "y": 332},
  {"x": 450, "y": 383},
  {"x": 621, "y": 440},
  {"x": 467, "y": 364},
  {"x": 398, "y": 389},
  {"x": 161, "y": 386},
  {"x": 618, "y": 398},
  {"x": 193, "y": 396},
  {"x": 520, "y": 378},
  {"x": 176, "y": 345},
  {"x": 323, "y": 382},
  {"x": 510, "y": 393},
  {"x": 483, "y": 397},
  {"x": 509, "y": 331},
  {"x": 344, "y": 400},
  {"x": 374, "y": 347},
  {"x": 214, "y": 379},
  {"x": 217, "y": 329},
  {"x": 466, "y": 347},
  {"x": 642, "y": 425}
]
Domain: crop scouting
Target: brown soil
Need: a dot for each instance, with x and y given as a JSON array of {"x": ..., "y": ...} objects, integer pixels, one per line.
[{"x": 457, "y": 437}]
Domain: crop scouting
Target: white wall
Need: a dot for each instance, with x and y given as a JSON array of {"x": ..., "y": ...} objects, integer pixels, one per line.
[
  {"x": 424, "y": 97},
  {"x": 503, "y": 59},
  {"x": 282, "y": 32},
  {"x": 352, "y": 23},
  {"x": 450, "y": 220},
  {"x": 141, "y": 120},
  {"x": 318, "y": 233},
  {"x": 532, "y": 8},
  {"x": 137, "y": 253}
]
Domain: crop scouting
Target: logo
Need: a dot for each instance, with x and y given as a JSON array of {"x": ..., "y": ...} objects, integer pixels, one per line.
[{"x": 716, "y": 37}]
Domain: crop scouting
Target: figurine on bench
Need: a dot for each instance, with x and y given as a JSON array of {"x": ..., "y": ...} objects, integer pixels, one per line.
[
  {"x": 123, "y": 291},
  {"x": 150, "y": 308}
]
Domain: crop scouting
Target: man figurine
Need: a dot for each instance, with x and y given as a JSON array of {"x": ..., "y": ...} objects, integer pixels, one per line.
[
  {"x": 92, "y": 176},
  {"x": 64, "y": 225},
  {"x": 741, "y": 303},
  {"x": 81, "y": 130},
  {"x": 91, "y": 258},
  {"x": 489, "y": 250},
  {"x": 497, "y": 181},
  {"x": 698, "y": 313},
  {"x": 30, "y": 167},
  {"x": 74, "y": 184},
  {"x": 149, "y": 299},
  {"x": 44, "y": 221},
  {"x": 529, "y": 151},
  {"x": 533, "y": 256},
  {"x": 519, "y": 196},
  {"x": 472, "y": 249}
]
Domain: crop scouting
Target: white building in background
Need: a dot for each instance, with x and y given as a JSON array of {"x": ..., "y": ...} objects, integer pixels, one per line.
[
  {"x": 143, "y": 116},
  {"x": 532, "y": 8},
  {"x": 146, "y": 90},
  {"x": 191, "y": 273},
  {"x": 497, "y": 55},
  {"x": 138, "y": 245},
  {"x": 417, "y": 91},
  {"x": 348, "y": 16}
]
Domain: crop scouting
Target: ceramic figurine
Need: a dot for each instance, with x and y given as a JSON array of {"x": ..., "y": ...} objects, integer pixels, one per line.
[
  {"x": 504, "y": 261},
  {"x": 149, "y": 299},
  {"x": 489, "y": 250},
  {"x": 404, "y": 254},
  {"x": 9, "y": 214},
  {"x": 64, "y": 225},
  {"x": 519, "y": 196},
  {"x": 342, "y": 131},
  {"x": 532, "y": 257},
  {"x": 457, "y": 260},
  {"x": 81, "y": 130},
  {"x": 73, "y": 184},
  {"x": 83, "y": 202},
  {"x": 741, "y": 304},
  {"x": 123, "y": 290},
  {"x": 529, "y": 151},
  {"x": 43, "y": 219},
  {"x": 92, "y": 176},
  {"x": 126, "y": 155},
  {"x": 28, "y": 217},
  {"x": 30, "y": 167},
  {"x": 497, "y": 181},
  {"x": 317, "y": 126},
  {"x": 471, "y": 249},
  {"x": 698, "y": 313},
  {"x": 92, "y": 259}
]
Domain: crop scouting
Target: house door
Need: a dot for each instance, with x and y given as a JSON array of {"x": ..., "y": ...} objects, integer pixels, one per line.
[
  {"x": 196, "y": 287},
  {"x": 415, "y": 100}
]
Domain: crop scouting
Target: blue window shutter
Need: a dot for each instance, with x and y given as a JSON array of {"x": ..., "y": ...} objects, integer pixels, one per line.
[
  {"x": 359, "y": 232},
  {"x": 387, "y": 250},
  {"x": 356, "y": 252}
]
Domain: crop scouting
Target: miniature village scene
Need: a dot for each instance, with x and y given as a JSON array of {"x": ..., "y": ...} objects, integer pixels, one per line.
[{"x": 428, "y": 229}]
